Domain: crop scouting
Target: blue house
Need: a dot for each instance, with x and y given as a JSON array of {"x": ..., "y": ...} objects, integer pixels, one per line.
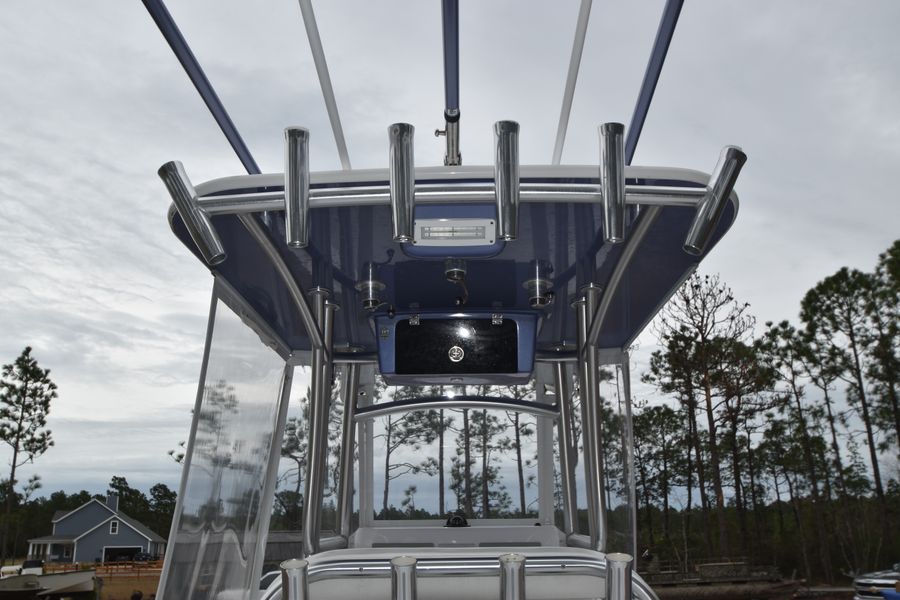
[{"x": 95, "y": 531}]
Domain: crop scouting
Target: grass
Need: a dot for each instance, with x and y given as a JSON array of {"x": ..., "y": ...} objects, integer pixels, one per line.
[{"x": 120, "y": 587}]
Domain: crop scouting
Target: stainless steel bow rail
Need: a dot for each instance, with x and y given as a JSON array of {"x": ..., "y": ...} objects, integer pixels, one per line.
[{"x": 511, "y": 569}]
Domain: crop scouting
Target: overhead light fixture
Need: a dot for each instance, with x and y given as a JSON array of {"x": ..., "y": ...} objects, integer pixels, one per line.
[
  {"x": 506, "y": 178},
  {"x": 296, "y": 186},
  {"x": 540, "y": 284},
  {"x": 710, "y": 208},
  {"x": 370, "y": 287},
  {"x": 195, "y": 219},
  {"x": 612, "y": 181},
  {"x": 403, "y": 180}
]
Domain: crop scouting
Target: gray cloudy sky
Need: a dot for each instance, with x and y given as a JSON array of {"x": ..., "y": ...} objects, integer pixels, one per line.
[{"x": 92, "y": 102}]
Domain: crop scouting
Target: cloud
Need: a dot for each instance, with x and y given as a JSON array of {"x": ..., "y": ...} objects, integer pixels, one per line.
[{"x": 93, "y": 102}]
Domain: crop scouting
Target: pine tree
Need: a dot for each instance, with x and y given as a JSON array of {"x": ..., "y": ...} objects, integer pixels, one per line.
[{"x": 25, "y": 394}]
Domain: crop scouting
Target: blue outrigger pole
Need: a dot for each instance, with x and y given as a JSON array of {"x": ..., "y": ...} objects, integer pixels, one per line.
[
  {"x": 450, "y": 22},
  {"x": 179, "y": 45},
  {"x": 651, "y": 76}
]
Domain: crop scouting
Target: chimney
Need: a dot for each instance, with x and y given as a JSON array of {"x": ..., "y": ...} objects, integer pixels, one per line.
[{"x": 112, "y": 501}]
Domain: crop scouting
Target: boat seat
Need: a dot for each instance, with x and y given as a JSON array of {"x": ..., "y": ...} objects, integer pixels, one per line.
[
  {"x": 450, "y": 573},
  {"x": 437, "y": 536}
]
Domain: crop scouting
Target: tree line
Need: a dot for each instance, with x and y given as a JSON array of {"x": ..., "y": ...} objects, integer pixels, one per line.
[
  {"x": 26, "y": 391},
  {"x": 462, "y": 449},
  {"x": 778, "y": 442}
]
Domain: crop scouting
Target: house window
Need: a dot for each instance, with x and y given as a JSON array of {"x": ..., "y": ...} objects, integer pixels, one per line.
[
  {"x": 113, "y": 527},
  {"x": 67, "y": 551}
]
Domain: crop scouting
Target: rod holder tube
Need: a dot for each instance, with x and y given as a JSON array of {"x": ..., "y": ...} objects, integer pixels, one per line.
[
  {"x": 612, "y": 181},
  {"x": 618, "y": 576},
  {"x": 402, "y": 180},
  {"x": 512, "y": 577},
  {"x": 506, "y": 178},
  {"x": 294, "y": 579},
  {"x": 296, "y": 186},
  {"x": 195, "y": 219},
  {"x": 718, "y": 191},
  {"x": 403, "y": 578}
]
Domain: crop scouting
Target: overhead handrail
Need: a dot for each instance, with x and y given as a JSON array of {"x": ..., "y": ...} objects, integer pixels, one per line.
[
  {"x": 584, "y": 13},
  {"x": 445, "y": 402},
  {"x": 374, "y": 195},
  {"x": 191, "y": 66},
  {"x": 318, "y": 54}
]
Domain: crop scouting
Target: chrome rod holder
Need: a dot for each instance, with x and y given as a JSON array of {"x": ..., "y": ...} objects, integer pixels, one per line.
[
  {"x": 612, "y": 181},
  {"x": 512, "y": 577},
  {"x": 296, "y": 186},
  {"x": 402, "y": 180},
  {"x": 195, "y": 219},
  {"x": 506, "y": 178},
  {"x": 294, "y": 580},
  {"x": 403, "y": 578},
  {"x": 618, "y": 576},
  {"x": 718, "y": 191}
]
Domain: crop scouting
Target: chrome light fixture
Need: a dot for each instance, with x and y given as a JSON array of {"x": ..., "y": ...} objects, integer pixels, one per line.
[
  {"x": 196, "y": 220},
  {"x": 506, "y": 178},
  {"x": 539, "y": 294},
  {"x": 370, "y": 287},
  {"x": 710, "y": 208},
  {"x": 403, "y": 180},
  {"x": 612, "y": 181},
  {"x": 296, "y": 186}
]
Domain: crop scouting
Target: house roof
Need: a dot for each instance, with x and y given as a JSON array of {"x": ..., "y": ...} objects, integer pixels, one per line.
[
  {"x": 131, "y": 522},
  {"x": 61, "y": 514},
  {"x": 142, "y": 529},
  {"x": 52, "y": 539}
]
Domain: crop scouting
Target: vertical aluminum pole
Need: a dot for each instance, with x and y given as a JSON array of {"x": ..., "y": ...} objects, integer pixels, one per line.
[
  {"x": 506, "y": 178},
  {"x": 618, "y": 576},
  {"x": 628, "y": 454},
  {"x": 403, "y": 578},
  {"x": 348, "y": 439},
  {"x": 366, "y": 444},
  {"x": 587, "y": 420},
  {"x": 402, "y": 180},
  {"x": 320, "y": 396},
  {"x": 296, "y": 186},
  {"x": 294, "y": 581},
  {"x": 590, "y": 402},
  {"x": 512, "y": 577},
  {"x": 566, "y": 447}
]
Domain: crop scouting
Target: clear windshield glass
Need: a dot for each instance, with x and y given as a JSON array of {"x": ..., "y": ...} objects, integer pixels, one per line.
[{"x": 214, "y": 550}]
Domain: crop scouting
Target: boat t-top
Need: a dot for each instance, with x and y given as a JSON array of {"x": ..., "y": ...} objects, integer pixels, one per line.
[{"x": 444, "y": 279}]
